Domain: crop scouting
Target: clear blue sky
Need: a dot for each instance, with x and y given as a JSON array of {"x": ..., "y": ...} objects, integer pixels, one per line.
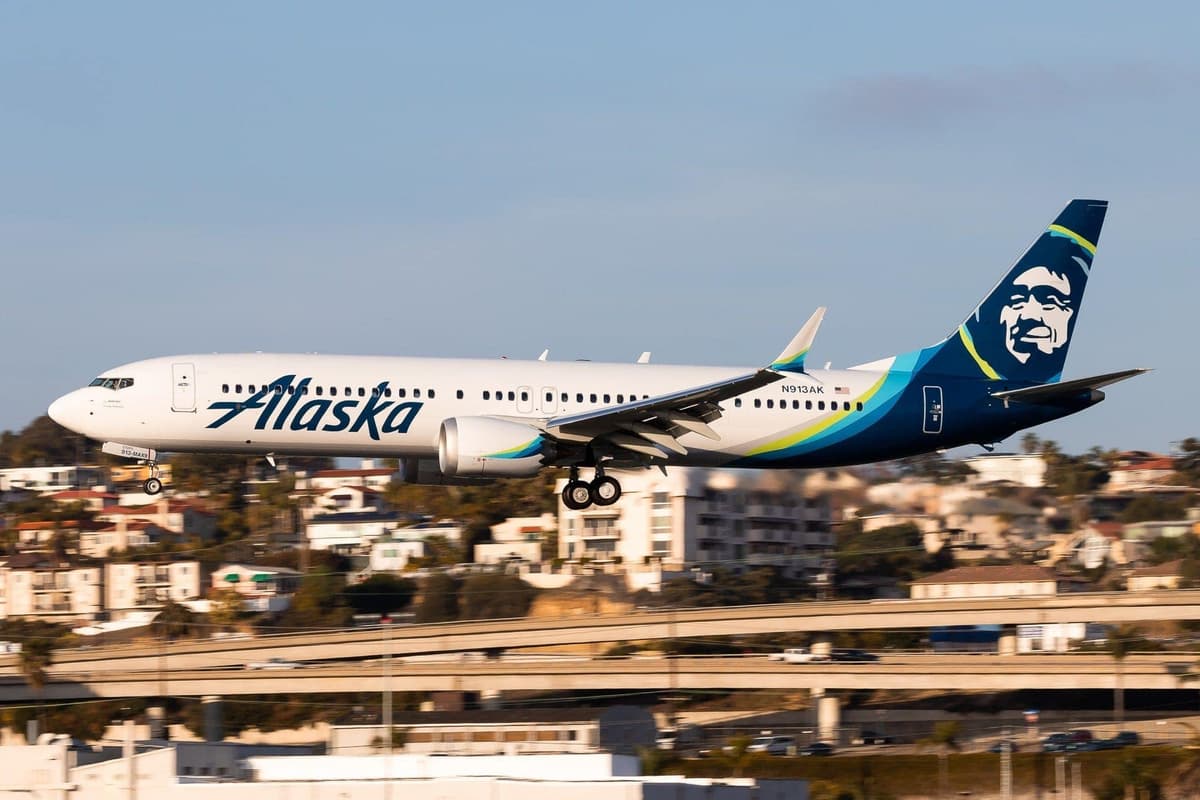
[{"x": 457, "y": 179}]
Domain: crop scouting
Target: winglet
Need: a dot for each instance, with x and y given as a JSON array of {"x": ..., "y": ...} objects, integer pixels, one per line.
[{"x": 792, "y": 357}]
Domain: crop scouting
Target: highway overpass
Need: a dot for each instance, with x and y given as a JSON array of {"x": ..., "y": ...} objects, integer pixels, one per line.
[
  {"x": 909, "y": 672},
  {"x": 506, "y": 635}
]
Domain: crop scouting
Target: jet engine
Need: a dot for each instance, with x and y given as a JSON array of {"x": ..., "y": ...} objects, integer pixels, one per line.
[
  {"x": 474, "y": 447},
  {"x": 425, "y": 472}
]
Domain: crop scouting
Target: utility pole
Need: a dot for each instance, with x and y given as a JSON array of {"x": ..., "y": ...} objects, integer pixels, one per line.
[
  {"x": 386, "y": 621},
  {"x": 1006, "y": 766}
]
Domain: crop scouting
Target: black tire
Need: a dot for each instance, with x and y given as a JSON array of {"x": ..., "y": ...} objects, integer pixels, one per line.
[
  {"x": 577, "y": 495},
  {"x": 605, "y": 491},
  {"x": 152, "y": 486}
]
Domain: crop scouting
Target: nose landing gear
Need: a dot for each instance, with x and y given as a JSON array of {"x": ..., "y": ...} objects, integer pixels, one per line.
[
  {"x": 153, "y": 484},
  {"x": 604, "y": 490}
]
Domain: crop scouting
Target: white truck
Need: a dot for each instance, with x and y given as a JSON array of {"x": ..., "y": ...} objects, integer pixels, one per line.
[{"x": 799, "y": 655}]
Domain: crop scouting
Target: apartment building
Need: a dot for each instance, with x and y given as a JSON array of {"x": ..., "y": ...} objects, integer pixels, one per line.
[
  {"x": 143, "y": 586},
  {"x": 694, "y": 516}
]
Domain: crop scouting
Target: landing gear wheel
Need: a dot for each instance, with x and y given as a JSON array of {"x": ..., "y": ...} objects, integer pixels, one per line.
[
  {"x": 605, "y": 491},
  {"x": 577, "y": 495},
  {"x": 152, "y": 486}
]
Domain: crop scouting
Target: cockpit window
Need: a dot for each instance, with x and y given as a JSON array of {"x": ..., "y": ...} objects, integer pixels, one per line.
[{"x": 112, "y": 383}]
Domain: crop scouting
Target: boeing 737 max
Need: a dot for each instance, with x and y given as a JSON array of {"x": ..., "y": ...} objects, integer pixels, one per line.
[{"x": 465, "y": 421}]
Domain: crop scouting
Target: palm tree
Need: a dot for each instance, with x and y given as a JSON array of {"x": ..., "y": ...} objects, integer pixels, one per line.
[
  {"x": 1121, "y": 641},
  {"x": 37, "y": 654}
]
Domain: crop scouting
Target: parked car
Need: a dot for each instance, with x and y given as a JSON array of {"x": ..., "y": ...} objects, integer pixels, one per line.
[
  {"x": 798, "y": 655},
  {"x": 772, "y": 745},
  {"x": 817, "y": 749},
  {"x": 871, "y": 737},
  {"x": 275, "y": 662},
  {"x": 852, "y": 654},
  {"x": 1004, "y": 746},
  {"x": 681, "y": 738}
]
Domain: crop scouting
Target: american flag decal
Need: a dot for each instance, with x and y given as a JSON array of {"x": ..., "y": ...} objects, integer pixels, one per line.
[{"x": 841, "y": 390}]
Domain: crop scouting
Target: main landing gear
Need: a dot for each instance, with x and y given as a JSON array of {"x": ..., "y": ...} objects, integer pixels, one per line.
[{"x": 602, "y": 491}]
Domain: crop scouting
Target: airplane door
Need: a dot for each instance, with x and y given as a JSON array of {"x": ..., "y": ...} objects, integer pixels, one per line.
[
  {"x": 549, "y": 400},
  {"x": 933, "y": 409},
  {"x": 183, "y": 387},
  {"x": 524, "y": 400}
]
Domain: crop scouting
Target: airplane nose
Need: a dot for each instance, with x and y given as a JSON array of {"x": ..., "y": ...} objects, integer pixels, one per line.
[{"x": 65, "y": 411}]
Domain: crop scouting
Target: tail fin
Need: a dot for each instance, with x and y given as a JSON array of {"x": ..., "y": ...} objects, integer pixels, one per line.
[{"x": 1022, "y": 329}]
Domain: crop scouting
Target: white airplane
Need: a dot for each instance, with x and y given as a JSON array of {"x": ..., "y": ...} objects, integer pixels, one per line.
[{"x": 465, "y": 421}]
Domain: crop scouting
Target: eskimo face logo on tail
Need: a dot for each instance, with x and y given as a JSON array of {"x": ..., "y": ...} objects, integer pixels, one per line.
[
  {"x": 1037, "y": 317},
  {"x": 284, "y": 404}
]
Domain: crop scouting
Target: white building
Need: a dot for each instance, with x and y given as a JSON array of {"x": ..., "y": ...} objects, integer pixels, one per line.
[
  {"x": 370, "y": 476},
  {"x": 137, "y": 586},
  {"x": 734, "y": 518},
  {"x": 50, "y": 480},
  {"x": 392, "y": 555},
  {"x": 263, "y": 588},
  {"x": 1018, "y": 469},
  {"x": 349, "y": 532},
  {"x": 38, "y": 585},
  {"x": 518, "y": 538},
  {"x": 1017, "y": 580}
]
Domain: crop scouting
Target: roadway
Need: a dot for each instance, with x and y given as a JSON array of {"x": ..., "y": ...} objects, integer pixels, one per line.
[
  {"x": 903, "y": 672},
  {"x": 644, "y": 625}
]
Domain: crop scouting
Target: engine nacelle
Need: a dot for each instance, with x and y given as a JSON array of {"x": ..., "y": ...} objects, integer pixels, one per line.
[
  {"x": 425, "y": 472},
  {"x": 475, "y": 447}
]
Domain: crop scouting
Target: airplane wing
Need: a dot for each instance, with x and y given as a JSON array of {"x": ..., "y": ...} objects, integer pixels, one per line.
[
  {"x": 1050, "y": 393},
  {"x": 653, "y": 425}
]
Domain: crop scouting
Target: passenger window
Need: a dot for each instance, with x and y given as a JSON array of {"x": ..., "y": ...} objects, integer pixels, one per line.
[
  {"x": 374, "y": 391},
  {"x": 279, "y": 389},
  {"x": 512, "y": 395},
  {"x": 593, "y": 397},
  {"x": 550, "y": 397},
  {"x": 846, "y": 405},
  {"x": 348, "y": 391},
  {"x": 757, "y": 403},
  {"x": 320, "y": 390},
  {"x": 459, "y": 394},
  {"x": 524, "y": 397},
  {"x": 820, "y": 405},
  {"x": 333, "y": 391},
  {"x": 429, "y": 394},
  {"x": 416, "y": 392},
  {"x": 238, "y": 388},
  {"x": 362, "y": 392},
  {"x": 487, "y": 395},
  {"x": 579, "y": 397},
  {"x": 564, "y": 397},
  {"x": 620, "y": 398},
  {"x": 291, "y": 390},
  {"x": 387, "y": 392},
  {"x": 224, "y": 388},
  {"x": 770, "y": 403},
  {"x": 808, "y": 405},
  {"x": 401, "y": 392},
  {"x": 858, "y": 406},
  {"x": 607, "y": 398},
  {"x": 737, "y": 402}
]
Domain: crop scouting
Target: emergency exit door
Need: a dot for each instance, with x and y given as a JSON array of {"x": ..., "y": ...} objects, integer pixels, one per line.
[{"x": 183, "y": 387}]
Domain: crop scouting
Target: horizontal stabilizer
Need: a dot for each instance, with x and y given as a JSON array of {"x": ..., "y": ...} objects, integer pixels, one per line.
[
  {"x": 1049, "y": 393},
  {"x": 792, "y": 357}
]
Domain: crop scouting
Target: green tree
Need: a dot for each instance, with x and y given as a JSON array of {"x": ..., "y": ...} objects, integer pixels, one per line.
[
  {"x": 1146, "y": 507},
  {"x": 495, "y": 596},
  {"x": 895, "y": 551},
  {"x": 36, "y": 656},
  {"x": 226, "y": 609},
  {"x": 318, "y": 603},
  {"x": 174, "y": 621},
  {"x": 380, "y": 594},
  {"x": 439, "y": 599}
]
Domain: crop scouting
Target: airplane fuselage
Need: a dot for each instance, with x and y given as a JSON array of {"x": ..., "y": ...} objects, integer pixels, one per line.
[{"x": 394, "y": 407}]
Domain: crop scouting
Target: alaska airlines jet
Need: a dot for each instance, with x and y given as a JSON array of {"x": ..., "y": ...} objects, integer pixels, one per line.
[{"x": 466, "y": 421}]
